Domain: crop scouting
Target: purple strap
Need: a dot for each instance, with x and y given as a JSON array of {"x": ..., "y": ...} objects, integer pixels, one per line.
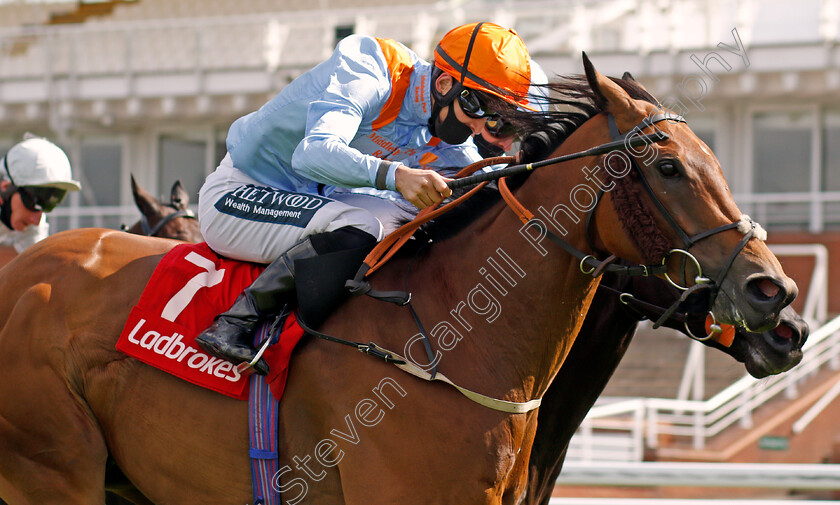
[{"x": 263, "y": 412}]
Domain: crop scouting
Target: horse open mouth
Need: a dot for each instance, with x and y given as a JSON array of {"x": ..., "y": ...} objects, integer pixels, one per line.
[
  {"x": 771, "y": 352},
  {"x": 774, "y": 351},
  {"x": 759, "y": 364}
]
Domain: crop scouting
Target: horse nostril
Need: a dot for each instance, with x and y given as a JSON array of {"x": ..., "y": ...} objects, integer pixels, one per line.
[
  {"x": 765, "y": 289},
  {"x": 768, "y": 288}
]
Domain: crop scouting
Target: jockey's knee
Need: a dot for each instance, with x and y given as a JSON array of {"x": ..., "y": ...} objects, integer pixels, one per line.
[
  {"x": 341, "y": 239},
  {"x": 361, "y": 221}
]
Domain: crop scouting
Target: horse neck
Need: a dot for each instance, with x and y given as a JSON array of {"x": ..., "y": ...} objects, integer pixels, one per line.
[
  {"x": 599, "y": 347},
  {"x": 514, "y": 312},
  {"x": 601, "y": 343}
]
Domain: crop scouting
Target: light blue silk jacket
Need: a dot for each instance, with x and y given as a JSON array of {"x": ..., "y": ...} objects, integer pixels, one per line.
[{"x": 317, "y": 135}]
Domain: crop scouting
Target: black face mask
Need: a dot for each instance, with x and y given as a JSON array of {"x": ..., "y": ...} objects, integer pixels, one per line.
[
  {"x": 486, "y": 149},
  {"x": 450, "y": 130},
  {"x": 6, "y": 206}
]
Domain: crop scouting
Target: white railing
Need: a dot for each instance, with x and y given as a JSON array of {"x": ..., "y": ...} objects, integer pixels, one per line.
[
  {"x": 644, "y": 420},
  {"x": 815, "y": 310},
  {"x": 814, "y": 209},
  {"x": 718, "y": 475},
  {"x": 678, "y": 501},
  {"x": 616, "y": 430},
  {"x": 681, "y": 474}
]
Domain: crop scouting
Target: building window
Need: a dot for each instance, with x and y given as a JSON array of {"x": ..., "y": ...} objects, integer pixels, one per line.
[
  {"x": 830, "y": 177},
  {"x": 782, "y": 152},
  {"x": 98, "y": 166},
  {"x": 783, "y": 156},
  {"x": 830, "y": 180},
  {"x": 343, "y": 31},
  {"x": 704, "y": 125},
  {"x": 182, "y": 157},
  {"x": 220, "y": 149},
  {"x": 796, "y": 169}
]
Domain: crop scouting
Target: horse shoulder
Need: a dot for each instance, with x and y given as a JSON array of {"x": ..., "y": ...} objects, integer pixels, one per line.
[
  {"x": 65, "y": 300},
  {"x": 70, "y": 294}
]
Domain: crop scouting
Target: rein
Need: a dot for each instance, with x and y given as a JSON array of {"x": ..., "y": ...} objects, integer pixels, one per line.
[
  {"x": 685, "y": 317},
  {"x": 383, "y": 251},
  {"x": 408, "y": 366}
]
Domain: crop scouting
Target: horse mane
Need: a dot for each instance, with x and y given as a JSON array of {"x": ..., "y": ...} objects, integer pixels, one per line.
[{"x": 572, "y": 103}]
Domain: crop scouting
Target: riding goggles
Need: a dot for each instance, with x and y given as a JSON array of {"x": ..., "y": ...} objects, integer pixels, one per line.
[
  {"x": 472, "y": 105},
  {"x": 41, "y": 198},
  {"x": 36, "y": 198},
  {"x": 498, "y": 127}
]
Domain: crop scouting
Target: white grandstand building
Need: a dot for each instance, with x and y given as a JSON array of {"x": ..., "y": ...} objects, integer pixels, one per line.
[{"x": 149, "y": 87}]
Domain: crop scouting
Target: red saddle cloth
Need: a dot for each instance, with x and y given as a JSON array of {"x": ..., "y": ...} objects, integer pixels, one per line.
[{"x": 190, "y": 287}]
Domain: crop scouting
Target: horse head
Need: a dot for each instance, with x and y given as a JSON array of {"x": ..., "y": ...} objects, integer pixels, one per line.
[
  {"x": 166, "y": 220},
  {"x": 668, "y": 204}
]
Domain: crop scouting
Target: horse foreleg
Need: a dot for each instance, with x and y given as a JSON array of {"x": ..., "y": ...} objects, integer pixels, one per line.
[{"x": 52, "y": 454}]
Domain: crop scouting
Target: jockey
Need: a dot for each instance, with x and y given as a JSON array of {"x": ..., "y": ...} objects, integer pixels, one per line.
[
  {"x": 373, "y": 115},
  {"x": 33, "y": 180}
]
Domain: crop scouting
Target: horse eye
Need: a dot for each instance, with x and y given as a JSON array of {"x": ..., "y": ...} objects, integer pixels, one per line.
[{"x": 668, "y": 168}]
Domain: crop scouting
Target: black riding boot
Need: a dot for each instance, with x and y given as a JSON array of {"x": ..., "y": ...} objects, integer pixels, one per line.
[{"x": 231, "y": 335}]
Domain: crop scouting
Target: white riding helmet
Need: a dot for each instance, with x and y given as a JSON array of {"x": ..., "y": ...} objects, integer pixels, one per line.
[
  {"x": 39, "y": 162},
  {"x": 538, "y": 92}
]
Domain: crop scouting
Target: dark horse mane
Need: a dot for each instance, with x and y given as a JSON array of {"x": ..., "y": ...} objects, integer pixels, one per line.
[{"x": 572, "y": 102}]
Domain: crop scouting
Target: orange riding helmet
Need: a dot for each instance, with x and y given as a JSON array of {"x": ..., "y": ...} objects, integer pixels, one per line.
[{"x": 488, "y": 58}]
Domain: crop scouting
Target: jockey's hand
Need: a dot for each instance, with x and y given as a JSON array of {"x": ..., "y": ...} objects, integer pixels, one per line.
[{"x": 421, "y": 187}]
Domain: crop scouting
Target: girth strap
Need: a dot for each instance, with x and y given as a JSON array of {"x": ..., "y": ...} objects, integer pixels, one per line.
[
  {"x": 486, "y": 401},
  {"x": 371, "y": 349}
]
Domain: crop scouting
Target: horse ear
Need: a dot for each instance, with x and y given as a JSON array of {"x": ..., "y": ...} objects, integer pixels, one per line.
[
  {"x": 179, "y": 196},
  {"x": 627, "y": 76},
  {"x": 611, "y": 97},
  {"x": 147, "y": 203},
  {"x": 592, "y": 79}
]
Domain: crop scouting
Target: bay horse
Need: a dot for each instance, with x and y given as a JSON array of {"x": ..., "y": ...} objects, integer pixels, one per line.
[
  {"x": 353, "y": 429},
  {"x": 172, "y": 220},
  {"x": 603, "y": 339}
]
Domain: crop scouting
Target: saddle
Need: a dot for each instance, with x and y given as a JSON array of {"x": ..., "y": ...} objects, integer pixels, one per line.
[{"x": 190, "y": 287}]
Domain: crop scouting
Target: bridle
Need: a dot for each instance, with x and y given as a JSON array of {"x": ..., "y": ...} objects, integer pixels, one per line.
[
  {"x": 745, "y": 225},
  {"x": 151, "y": 231}
]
